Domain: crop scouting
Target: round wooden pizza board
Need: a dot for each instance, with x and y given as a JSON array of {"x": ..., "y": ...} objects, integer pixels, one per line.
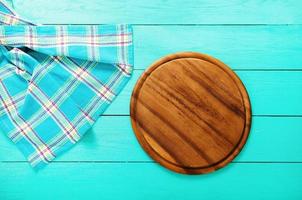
[{"x": 190, "y": 113}]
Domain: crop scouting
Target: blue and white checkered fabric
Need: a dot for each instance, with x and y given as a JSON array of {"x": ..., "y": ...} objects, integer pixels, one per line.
[{"x": 55, "y": 81}]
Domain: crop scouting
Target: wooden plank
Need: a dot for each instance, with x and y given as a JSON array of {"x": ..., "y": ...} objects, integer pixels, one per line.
[
  {"x": 109, "y": 142},
  {"x": 240, "y": 47},
  {"x": 271, "y": 93},
  {"x": 161, "y": 11},
  {"x": 149, "y": 181}
]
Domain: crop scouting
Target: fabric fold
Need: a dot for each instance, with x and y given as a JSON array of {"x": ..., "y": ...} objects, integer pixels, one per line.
[
  {"x": 56, "y": 80},
  {"x": 76, "y": 41}
]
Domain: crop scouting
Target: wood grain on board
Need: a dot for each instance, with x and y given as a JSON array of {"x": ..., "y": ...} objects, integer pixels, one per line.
[{"x": 191, "y": 113}]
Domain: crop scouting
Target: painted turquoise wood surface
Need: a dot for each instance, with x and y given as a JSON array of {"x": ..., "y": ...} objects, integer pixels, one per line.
[
  {"x": 162, "y": 11},
  {"x": 261, "y": 40}
]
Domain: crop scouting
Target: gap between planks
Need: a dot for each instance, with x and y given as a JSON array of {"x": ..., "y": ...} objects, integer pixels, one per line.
[
  {"x": 186, "y": 24},
  {"x": 285, "y": 116},
  {"x": 153, "y": 162}
]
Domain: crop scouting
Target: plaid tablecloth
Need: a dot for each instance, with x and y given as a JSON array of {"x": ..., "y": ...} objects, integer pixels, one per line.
[{"x": 56, "y": 80}]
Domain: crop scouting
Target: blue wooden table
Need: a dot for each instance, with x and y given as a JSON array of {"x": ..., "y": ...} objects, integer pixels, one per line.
[{"x": 260, "y": 40}]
